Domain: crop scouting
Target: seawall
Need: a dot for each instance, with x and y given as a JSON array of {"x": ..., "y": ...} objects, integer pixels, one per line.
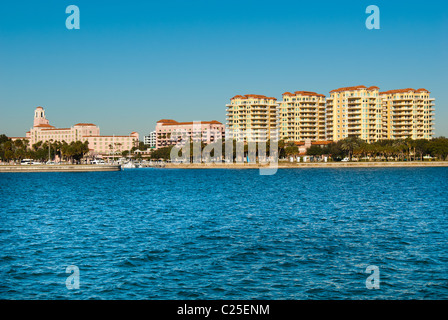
[
  {"x": 59, "y": 168},
  {"x": 292, "y": 165}
]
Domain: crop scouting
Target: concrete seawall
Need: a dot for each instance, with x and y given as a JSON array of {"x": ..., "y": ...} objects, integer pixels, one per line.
[
  {"x": 59, "y": 168},
  {"x": 292, "y": 165}
]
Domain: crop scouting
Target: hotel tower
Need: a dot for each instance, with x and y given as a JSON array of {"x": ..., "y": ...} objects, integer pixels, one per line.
[
  {"x": 251, "y": 117},
  {"x": 407, "y": 113},
  {"x": 354, "y": 111},
  {"x": 301, "y": 116}
]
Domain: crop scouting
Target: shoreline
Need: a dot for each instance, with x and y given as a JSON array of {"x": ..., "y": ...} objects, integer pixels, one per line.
[
  {"x": 281, "y": 165},
  {"x": 301, "y": 165},
  {"x": 59, "y": 168}
]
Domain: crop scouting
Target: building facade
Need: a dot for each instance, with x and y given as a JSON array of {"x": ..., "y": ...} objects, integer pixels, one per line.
[
  {"x": 358, "y": 111},
  {"x": 251, "y": 118},
  {"x": 301, "y": 116},
  {"x": 150, "y": 140},
  {"x": 407, "y": 113},
  {"x": 104, "y": 145},
  {"x": 354, "y": 111},
  {"x": 170, "y": 132}
]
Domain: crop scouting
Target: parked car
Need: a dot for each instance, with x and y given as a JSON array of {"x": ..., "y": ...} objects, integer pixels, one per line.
[{"x": 345, "y": 160}]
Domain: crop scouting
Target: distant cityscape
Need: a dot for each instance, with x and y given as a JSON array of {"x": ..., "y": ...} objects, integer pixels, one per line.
[
  {"x": 302, "y": 117},
  {"x": 306, "y": 117}
]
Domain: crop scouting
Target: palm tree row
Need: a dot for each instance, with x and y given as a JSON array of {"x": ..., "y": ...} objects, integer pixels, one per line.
[
  {"x": 397, "y": 150},
  {"x": 42, "y": 151}
]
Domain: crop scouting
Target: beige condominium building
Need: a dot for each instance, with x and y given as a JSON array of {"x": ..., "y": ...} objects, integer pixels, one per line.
[
  {"x": 407, "y": 113},
  {"x": 251, "y": 117},
  {"x": 301, "y": 116},
  {"x": 354, "y": 111}
]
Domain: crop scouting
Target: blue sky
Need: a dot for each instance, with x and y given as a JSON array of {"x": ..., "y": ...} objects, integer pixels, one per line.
[{"x": 135, "y": 62}]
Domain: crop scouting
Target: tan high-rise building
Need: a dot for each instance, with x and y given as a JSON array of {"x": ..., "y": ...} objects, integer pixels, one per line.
[
  {"x": 354, "y": 111},
  {"x": 251, "y": 117},
  {"x": 301, "y": 116},
  {"x": 407, "y": 113}
]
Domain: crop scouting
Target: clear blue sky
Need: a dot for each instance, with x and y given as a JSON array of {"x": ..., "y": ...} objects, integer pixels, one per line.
[{"x": 135, "y": 62}]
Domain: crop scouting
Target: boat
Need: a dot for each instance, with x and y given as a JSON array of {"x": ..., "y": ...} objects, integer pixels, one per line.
[{"x": 129, "y": 165}]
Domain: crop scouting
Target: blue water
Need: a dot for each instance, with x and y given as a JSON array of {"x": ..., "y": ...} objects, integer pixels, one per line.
[{"x": 225, "y": 234}]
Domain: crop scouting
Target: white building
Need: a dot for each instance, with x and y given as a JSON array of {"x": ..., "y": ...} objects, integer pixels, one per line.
[{"x": 150, "y": 139}]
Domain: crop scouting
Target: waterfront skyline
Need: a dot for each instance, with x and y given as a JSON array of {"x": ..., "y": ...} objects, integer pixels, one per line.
[{"x": 128, "y": 67}]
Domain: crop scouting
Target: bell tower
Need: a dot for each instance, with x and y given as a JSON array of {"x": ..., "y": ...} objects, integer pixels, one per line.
[{"x": 39, "y": 116}]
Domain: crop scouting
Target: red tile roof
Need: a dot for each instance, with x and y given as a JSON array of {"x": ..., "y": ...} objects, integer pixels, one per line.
[
  {"x": 304, "y": 93},
  {"x": 56, "y": 129},
  {"x": 404, "y": 91},
  {"x": 85, "y": 125},
  {"x": 321, "y": 142},
  {"x": 354, "y": 88},
  {"x": 43, "y": 125},
  {"x": 169, "y": 122},
  {"x": 253, "y": 96},
  {"x": 309, "y": 93}
]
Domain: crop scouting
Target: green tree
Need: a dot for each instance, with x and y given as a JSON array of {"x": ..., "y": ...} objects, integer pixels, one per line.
[
  {"x": 315, "y": 151},
  {"x": 3, "y": 138},
  {"x": 291, "y": 150},
  {"x": 421, "y": 147},
  {"x": 142, "y": 146},
  {"x": 438, "y": 147},
  {"x": 161, "y": 154},
  {"x": 350, "y": 143}
]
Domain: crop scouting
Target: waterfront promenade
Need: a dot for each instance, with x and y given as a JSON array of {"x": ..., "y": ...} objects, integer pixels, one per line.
[
  {"x": 292, "y": 165},
  {"x": 59, "y": 168}
]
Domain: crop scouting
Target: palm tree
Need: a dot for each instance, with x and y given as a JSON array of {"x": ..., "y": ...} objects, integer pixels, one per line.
[
  {"x": 360, "y": 149},
  {"x": 350, "y": 143}
]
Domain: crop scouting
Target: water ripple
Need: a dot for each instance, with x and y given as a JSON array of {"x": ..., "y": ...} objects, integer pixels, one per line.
[{"x": 225, "y": 234}]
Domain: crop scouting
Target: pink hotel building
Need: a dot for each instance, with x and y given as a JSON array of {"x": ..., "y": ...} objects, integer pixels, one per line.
[
  {"x": 170, "y": 132},
  {"x": 104, "y": 145}
]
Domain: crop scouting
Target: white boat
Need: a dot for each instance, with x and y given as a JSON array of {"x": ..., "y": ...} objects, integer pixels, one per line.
[
  {"x": 129, "y": 165},
  {"x": 26, "y": 161}
]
